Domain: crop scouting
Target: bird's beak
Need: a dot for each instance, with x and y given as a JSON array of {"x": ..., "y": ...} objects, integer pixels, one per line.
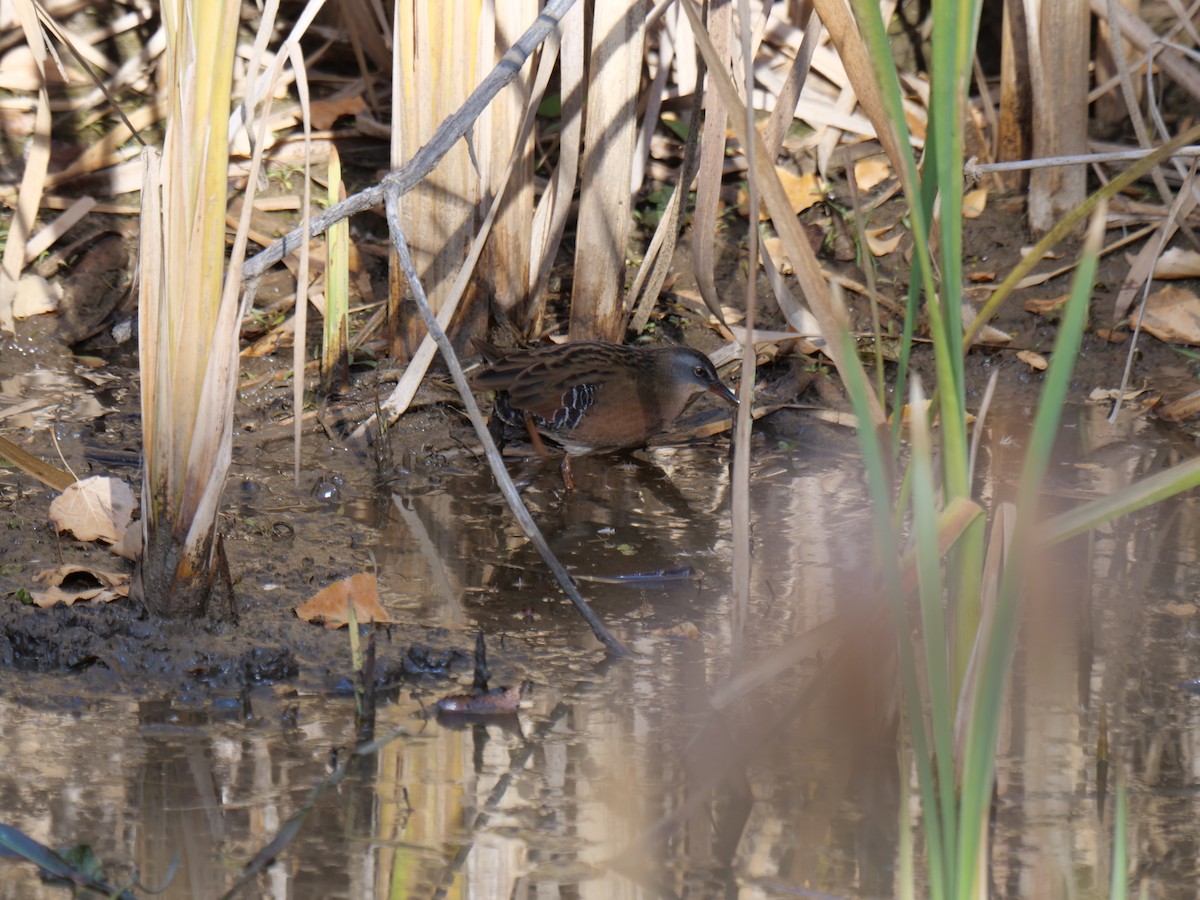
[{"x": 723, "y": 392}]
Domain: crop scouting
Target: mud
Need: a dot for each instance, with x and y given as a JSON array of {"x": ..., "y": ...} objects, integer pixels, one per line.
[{"x": 285, "y": 542}]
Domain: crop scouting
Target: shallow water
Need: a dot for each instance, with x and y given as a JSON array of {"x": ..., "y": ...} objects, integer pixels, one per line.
[{"x": 620, "y": 779}]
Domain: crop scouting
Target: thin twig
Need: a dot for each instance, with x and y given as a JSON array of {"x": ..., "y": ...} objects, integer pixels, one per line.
[{"x": 392, "y": 196}]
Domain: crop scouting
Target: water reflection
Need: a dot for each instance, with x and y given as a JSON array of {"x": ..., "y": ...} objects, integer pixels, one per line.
[{"x": 622, "y": 780}]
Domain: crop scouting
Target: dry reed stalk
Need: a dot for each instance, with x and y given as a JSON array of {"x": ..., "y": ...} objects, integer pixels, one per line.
[{"x": 605, "y": 203}]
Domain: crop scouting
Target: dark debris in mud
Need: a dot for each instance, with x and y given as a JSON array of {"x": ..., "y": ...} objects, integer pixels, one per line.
[{"x": 116, "y": 646}]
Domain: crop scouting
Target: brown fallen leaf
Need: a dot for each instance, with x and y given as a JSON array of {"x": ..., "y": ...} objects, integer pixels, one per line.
[
  {"x": 97, "y": 508},
  {"x": 69, "y": 584},
  {"x": 1112, "y": 335},
  {"x": 330, "y": 606},
  {"x": 684, "y": 631},
  {"x": 35, "y": 296},
  {"x": 871, "y": 171},
  {"x": 981, "y": 277},
  {"x": 1043, "y": 305},
  {"x": 1173, "y": 316},
  {"x": 323, "y": 113},
  {"x": 1033, "y": 360},
  {"x": 802, "y": 192},
  {"x": 974, "y": 203},
  {"x": 1186, "y": 407},
  {"x": 1177, "y": 263},
  {"x": 1108, "y": 395},
  {"x": 880, "y": 246}
]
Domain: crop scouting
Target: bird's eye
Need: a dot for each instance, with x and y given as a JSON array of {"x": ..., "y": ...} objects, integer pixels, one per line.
[{"x": 698, "y": 371}]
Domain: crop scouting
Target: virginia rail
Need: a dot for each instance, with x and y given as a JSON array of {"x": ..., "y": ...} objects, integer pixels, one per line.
[{"x": 590, "y": 396}]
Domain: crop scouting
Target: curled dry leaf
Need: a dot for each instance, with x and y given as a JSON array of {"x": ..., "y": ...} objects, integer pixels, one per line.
[
  {"x": 1044, "y": 305},
  {"x": 802, "y": 192},
  {"x": 773, "y": 247},
  {"x": 1177, "y": 263},
  {"x": 330, "y": 606},
  {"x": 871, "y": 171},
  {"x": 1173, "y": 316},
  {"x": 1033, "y": 360},
  {"x": 70, "y": 584},
  {"x": 97, "y": 508},
  {"x": 988, "y": 334},
  {"x": 879, "y": 245},
  {"x": 1108, "y": 395},
  {"x": 974, "y": 203},
  {"x": 684, "y": 631}
]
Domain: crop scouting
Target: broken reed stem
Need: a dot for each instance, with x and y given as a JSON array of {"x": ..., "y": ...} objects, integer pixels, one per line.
[
  {"x": 973, "y": 170},
  {"x": 392, "y": 196},
  {"x": 452, "y": 129}
]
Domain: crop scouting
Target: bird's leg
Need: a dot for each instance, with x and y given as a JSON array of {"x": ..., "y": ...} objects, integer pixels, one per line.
[{"x": 534, "y": 437}]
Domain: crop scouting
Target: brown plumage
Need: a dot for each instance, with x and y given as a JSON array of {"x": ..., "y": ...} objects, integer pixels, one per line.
[{"x": 591, "y": 395}]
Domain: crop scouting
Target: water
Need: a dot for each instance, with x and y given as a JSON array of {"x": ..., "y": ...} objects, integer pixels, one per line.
[{"x": 620, "y": 779}]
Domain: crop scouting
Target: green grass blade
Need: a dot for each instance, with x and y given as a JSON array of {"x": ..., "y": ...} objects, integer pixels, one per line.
[
  {"x": 933, "y": 623},
  {"x": 987, "y": 699},
  {"x": 1119, "y": 884},
  {"x": 887, "y": 539},
  {"x": 1137, "y": 496}
]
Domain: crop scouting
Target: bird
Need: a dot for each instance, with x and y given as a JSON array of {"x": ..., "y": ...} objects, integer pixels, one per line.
[{"x": 595, "y": 396}]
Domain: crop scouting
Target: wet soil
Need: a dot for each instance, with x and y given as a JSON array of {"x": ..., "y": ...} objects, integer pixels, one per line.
[{"x": 285, "y": 541}]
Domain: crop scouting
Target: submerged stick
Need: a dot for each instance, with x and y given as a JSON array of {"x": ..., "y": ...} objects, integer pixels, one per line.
[{"x": 507, "y": 488}]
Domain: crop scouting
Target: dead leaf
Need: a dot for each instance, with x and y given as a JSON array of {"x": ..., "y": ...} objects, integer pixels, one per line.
[
  {"x": 323, "y": 113},
  {"x": 1177, "y": 263},
  {"x": 1186, "y": 407},
  {"x": 1112, "y": 335},
  {"x": 69, "y": 584},
  {"x": 981, "y": 277},
  {"x": 974, "y": 203},
  {"x": 1180, "y": 610},
  {"x": 684, "y": 631},
  {"x": 130, "y": 544},
  {"x": 871, "y": 171},
  {"x": 773, "y": 247},
  {"x": 878, "y": 245},
  {"x": 1173, "y": 316},
  {"x": 1033, "y": 360},
  {"x": 802, "y": 192},
  {"x": 1043, "y": 305},
  {"x": 1108, "y": 395},
  {"x": 97, "y": 508},
  {"x": 988, "y": 334},
  {"x": 330, "y": 605},
  {"x": 35, "y": 296}
]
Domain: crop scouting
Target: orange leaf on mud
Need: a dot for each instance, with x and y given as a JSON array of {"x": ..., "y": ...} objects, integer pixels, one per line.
[
  {"x": 871, "y": 171},
  {"x": 330, "y": 606}
]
